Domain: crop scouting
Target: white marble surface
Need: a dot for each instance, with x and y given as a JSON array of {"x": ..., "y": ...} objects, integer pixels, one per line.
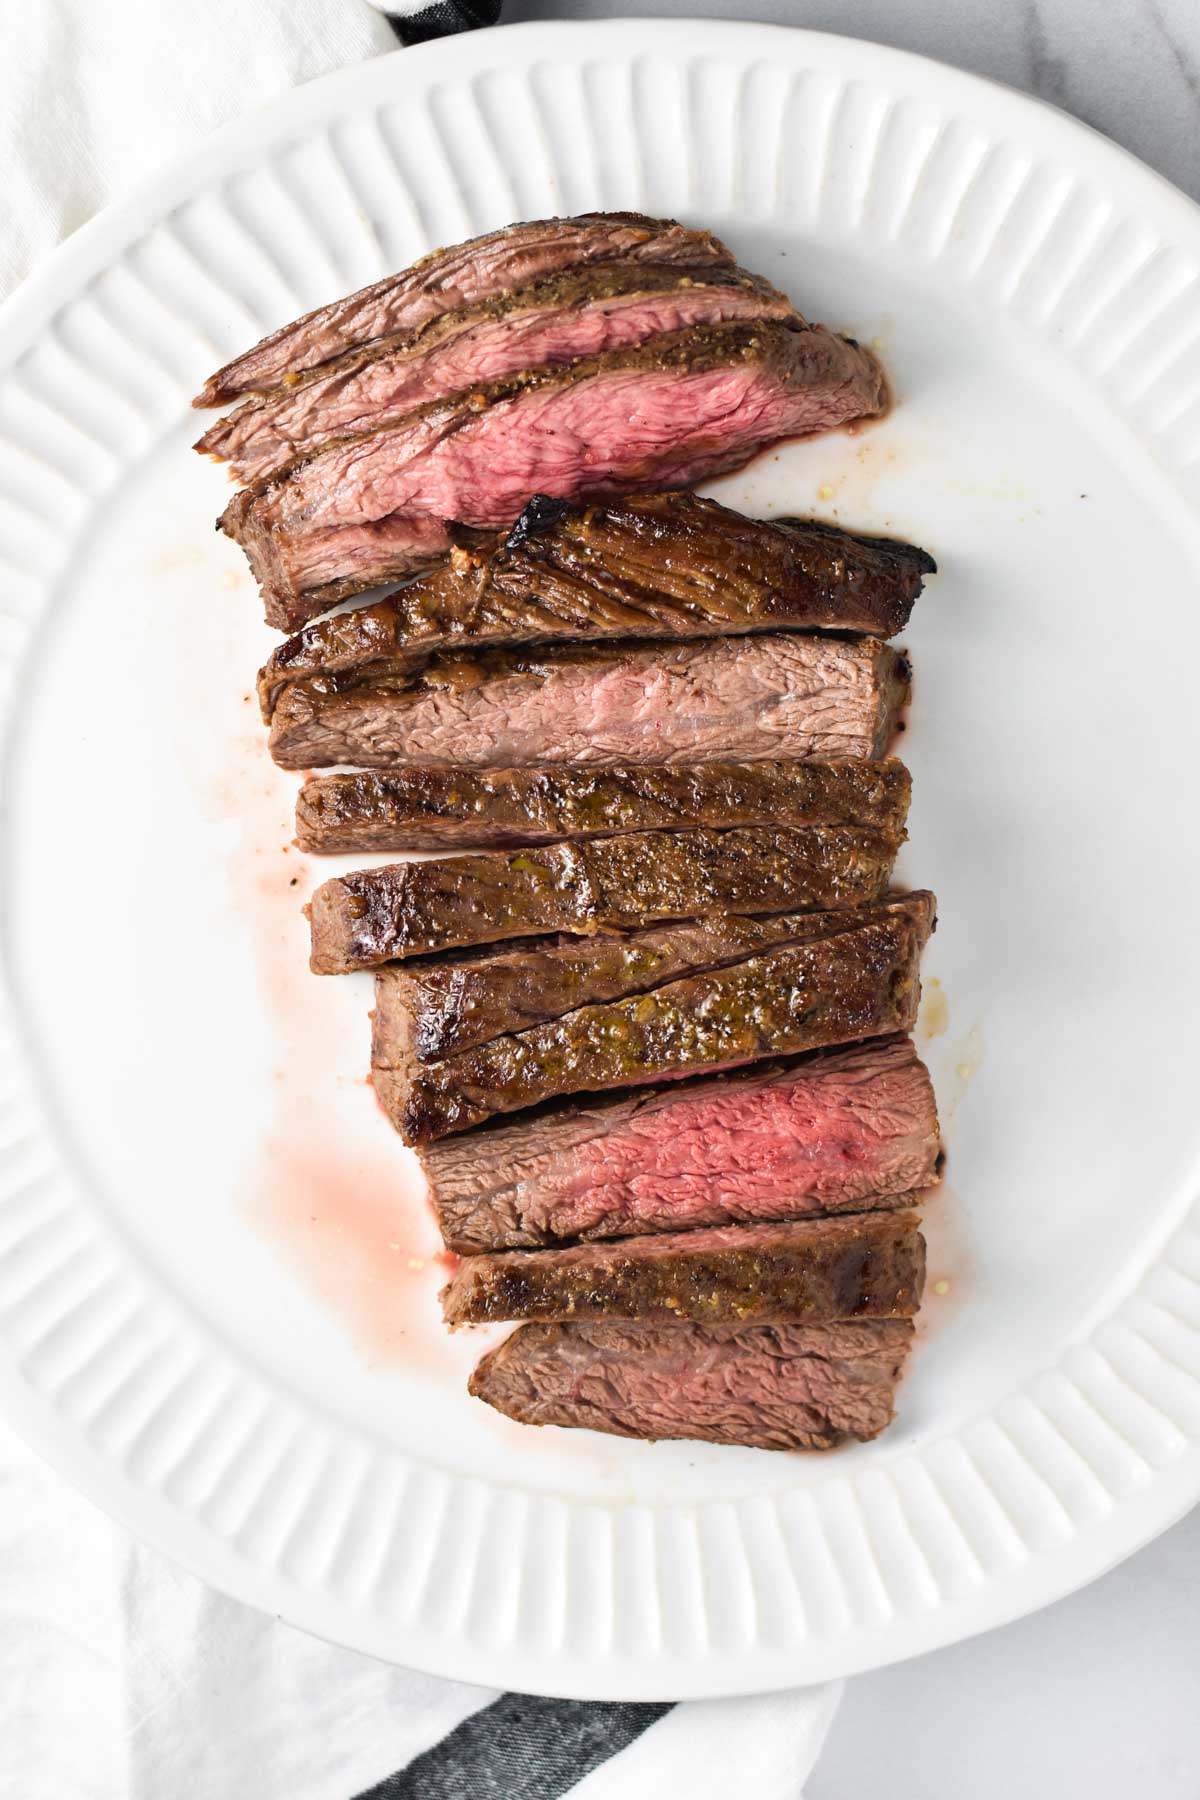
[{"x": 1095, "y": 1698}]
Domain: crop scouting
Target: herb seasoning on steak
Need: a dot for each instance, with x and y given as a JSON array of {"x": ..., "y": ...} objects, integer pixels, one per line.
[
  {"x": 406, "y": 909},
  {"x": 861, "y": 1266},
  {"x": 855, "y": 984},
  {"x": 430, "y": 1006},
  {"x": 432, "y": 809}
]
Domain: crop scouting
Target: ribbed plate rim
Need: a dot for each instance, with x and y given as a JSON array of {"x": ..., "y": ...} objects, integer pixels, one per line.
[{"x": 1089, "y": 1550}]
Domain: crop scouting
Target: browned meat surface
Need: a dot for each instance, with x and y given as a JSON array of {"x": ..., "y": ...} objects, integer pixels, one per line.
[
  {"x": 861, "y": 1266},
  {"x": 839, "y": 989},
  {"x": 447, "y": 280},
  {"x": 611, "y": 306},
  {"x": 773, "y": 1387},
  {"x": 839, "y": 1131},
  {"x": 430, "y": 1006},
  {"x": 721, "y": 700},
  {"x": 414, "y": 809},
  {"x": 665, "y": 414},
  {"x": 405, "y": 909},
  {"x": 655, "y": 565}
]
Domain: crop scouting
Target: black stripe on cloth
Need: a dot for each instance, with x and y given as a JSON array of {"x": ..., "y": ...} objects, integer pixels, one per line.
[
  {"x": 520, "y": 1748},
  {"x": 443, "y": 18}
]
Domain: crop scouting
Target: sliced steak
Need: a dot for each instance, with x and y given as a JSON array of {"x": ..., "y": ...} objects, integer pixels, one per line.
[
  {"x": 406, "y": 909},
  {"x": 657, "y": 565},
  {"x": 447, "y": 280},
  {"x": 583, "y": 313},
  {"x": 666, "y": 414},
  {"x": 418, "y": 808},
  {"x": 863, "y": 1266},
  {"x": 772, "y": 1387},
  {"x": 839, "y": 1131},
  {"x": 430, "y": 1006},
  {"x": 720, "y": 700},
  {"x": 838, "y": 989}
]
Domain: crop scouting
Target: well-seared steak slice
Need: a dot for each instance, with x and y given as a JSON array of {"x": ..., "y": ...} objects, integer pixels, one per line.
[
  {"x": 859, "y": 983},
  {"x": 417, "y": 809},
  {"x": 665, "y": 414},
  {"x": 839, "y": 1131},
  {"x": 583, "y": 313},
  {"x": 407, "y": 909},
  {"x": 430, "y": 1006},
  {"x": 773, "y": 1387},
  {"x": 721, "y": 699},
  {"x": 450, "y": 279},
  {"x": 656, "y": 565},
  {"x": 861, "y": 1266}
]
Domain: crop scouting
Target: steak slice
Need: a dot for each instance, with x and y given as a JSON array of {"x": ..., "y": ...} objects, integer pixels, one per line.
[
  {"x": 405, "y": 909},
  {"x": 838, "y": 1131},
  {"x": 773, "y": 1387},
  {"x": 418, "y": 808},
  {"x": 449, "y": 279},
  {"x": 854, "y": 984},
  {"x": 864, "y": 1266},
  {"x": 430, "y": 1006},
  {"x": 750, "y": 699},
  {"x": 667, "y": 413},
  {"x": 582, "y": 313},
  {"x": 657, "y": 565}
]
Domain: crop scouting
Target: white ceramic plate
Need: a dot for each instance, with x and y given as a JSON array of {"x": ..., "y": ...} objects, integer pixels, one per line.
[{"x": 217, "y": 1285}]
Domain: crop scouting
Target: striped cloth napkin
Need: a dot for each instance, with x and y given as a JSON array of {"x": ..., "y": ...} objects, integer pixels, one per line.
[
  {"x": 415, "y": 20},
  {"x": 121, "y": 1676}
]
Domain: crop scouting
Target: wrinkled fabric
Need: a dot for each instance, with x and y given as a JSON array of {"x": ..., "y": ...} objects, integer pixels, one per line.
[
  {"x": 122, "y": 1677},
  {"x": 94, "y": 98}
]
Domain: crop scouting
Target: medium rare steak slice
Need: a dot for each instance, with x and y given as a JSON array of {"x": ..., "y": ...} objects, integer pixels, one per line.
[
  {"x": 863, "y": 1266},
  {"x": 656, "y": 565},
  {"x": 583, "y": 313},
  {"x": 432, "y": 1005},
  {"x": 446, "y": 280},
  {"x": 406, "y": 909},
  {"x": 855, "y": 984},
  {"x": 723, "y": 699},
  {"x": 666, "y": 414},
  {"x": 773, "y": 1387},
  {"x": 839, "y": 1131},
  {"x": 431, "y": 809}
]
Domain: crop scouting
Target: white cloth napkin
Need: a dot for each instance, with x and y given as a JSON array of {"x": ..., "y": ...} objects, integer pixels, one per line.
[{"x": 122, "y": 1677}]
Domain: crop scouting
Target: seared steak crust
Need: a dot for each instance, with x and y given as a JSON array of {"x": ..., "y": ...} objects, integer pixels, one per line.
[
  {"x": 430, "y": 1006},
  {"x": 406, "y": 909},
  {"x": 855, "y": 984},
  {"x": 862, "y": 1266},
  {"x": 417, "y": 808},
  {"x": 655, "y": 565}
]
